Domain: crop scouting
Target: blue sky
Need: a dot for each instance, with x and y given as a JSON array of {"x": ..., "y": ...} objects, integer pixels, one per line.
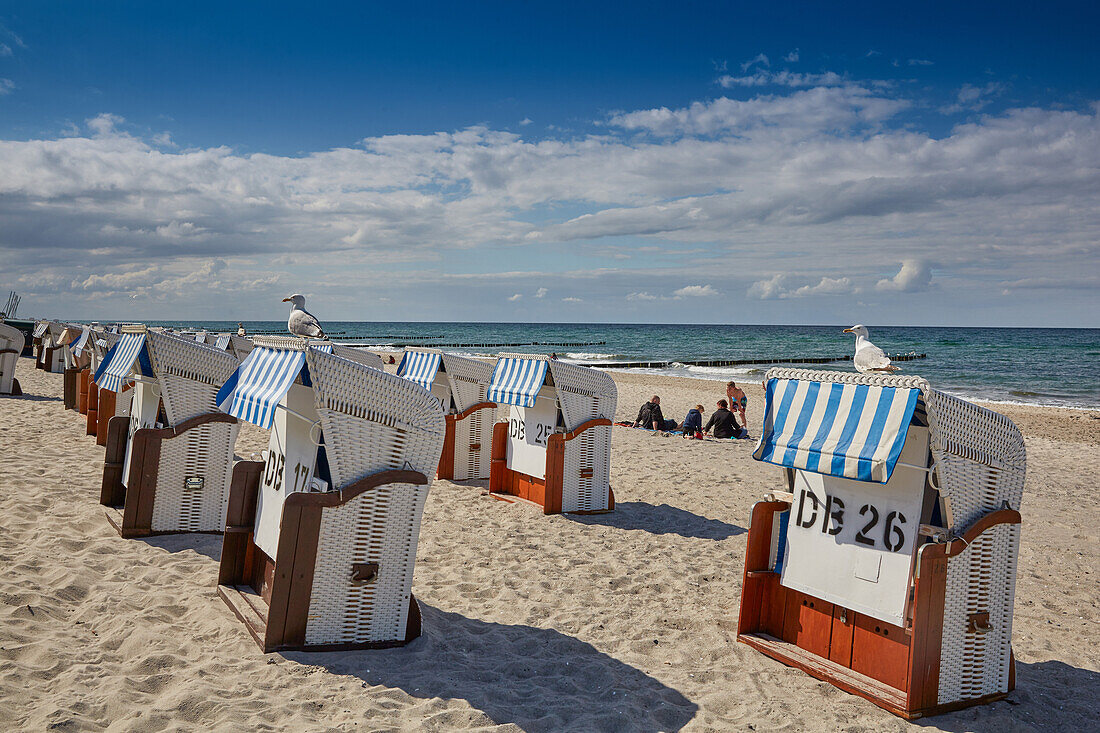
[{"x": 787, "y": 163}]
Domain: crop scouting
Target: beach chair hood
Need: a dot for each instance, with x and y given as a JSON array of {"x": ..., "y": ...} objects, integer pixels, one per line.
[{"x": 121, "y": 359}]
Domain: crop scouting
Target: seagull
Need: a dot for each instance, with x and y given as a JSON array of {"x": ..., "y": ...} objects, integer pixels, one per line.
[
  {"x": 868, "y": 357},
  {"x": 302, "y": 322}
]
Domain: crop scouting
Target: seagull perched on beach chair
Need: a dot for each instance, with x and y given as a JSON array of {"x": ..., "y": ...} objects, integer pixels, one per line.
[
  {"x": 302, "y": 322},
  {"x": 868, "y": 357}
]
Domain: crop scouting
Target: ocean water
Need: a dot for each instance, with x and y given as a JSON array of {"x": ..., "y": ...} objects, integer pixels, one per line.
[{"x": 1046, "y": 366}]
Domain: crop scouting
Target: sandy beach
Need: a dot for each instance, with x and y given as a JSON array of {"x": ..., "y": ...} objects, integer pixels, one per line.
[{"x": 618, "y": 622}]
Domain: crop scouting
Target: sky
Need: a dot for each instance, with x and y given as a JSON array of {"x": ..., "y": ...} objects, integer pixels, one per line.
[{"x": 687, "y": 162}]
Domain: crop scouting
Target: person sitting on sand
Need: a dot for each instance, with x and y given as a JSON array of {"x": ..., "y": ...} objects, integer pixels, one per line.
[
  {"x": 651, "y": 418},
  {"x": 693, "y": 423},
  {"x": 723, "y": 423},
  {"x": 737, "y": 400}
]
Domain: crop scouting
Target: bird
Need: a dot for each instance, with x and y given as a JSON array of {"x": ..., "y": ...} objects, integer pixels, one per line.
[
  {"x": 302, "y": 322},
  {"x": 868, "y": 357}
]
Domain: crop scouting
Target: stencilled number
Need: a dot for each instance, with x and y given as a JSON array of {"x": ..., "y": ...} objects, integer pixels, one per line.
[
  {"x": 301, "y": 477},
  {"x": 542, "y": 433},
  {"x": 273, "y": 472},
  {"x": 831, "y": 514},
  {"x": 518, "y": 429}
]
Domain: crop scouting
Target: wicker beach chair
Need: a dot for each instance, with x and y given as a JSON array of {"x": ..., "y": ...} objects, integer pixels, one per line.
[
  {"x": 555, "y": 448},
  {"x": 177, "y": 474},
  {"x": 11, "y": 346},
  {"x": 362, "y": 356},
  {"x": 52, "y": 356},
  {"x": 461, "y": 385},
  {"x": 889, "y": 566},
  {"x": 239, "y": 346},
  {"x": 110, "y": 403},
  {"x": 321, "y": 538},
  {"x": 38, "y": 336}
]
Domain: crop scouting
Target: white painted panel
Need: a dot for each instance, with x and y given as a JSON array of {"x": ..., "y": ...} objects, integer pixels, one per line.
[
  {"x": 143, "y": 414},
  {"x": 852, "y": 542},
  {"x": 529, "y": 431},
  {"x": 291, "y": 460}
]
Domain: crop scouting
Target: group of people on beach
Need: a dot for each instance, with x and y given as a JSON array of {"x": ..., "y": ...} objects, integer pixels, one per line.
[{"x": 723, "y": 422}]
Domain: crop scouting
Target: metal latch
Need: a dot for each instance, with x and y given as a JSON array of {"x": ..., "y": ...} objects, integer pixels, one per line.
[
  {"x": 364, "y": 572},
  {"x": 193, "y": 483}
]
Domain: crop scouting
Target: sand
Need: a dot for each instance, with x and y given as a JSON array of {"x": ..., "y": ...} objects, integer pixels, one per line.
[{"x": 624, "y": 621}]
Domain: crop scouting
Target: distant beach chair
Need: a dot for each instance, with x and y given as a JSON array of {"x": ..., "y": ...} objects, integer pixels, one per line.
[
  {"x": 71, "y": 364},
  {"x": 239, "y": 346},
  {"x": 889, "y": 566},
  {"x": 176, "y": 475},
  {"x": 555, "y": 448},
  {"x": 11, "y": 346},
  {"x": 111, "y": 404},
  {"x": 461, "y": 385},
  {"x": 321, "y": 537},
  {"x": 362, "y": 356},
  {"x": 51, "y": 357}
]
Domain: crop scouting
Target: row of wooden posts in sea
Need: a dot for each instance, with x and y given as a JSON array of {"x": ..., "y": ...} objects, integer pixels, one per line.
[{"x": 885, "y": 565}]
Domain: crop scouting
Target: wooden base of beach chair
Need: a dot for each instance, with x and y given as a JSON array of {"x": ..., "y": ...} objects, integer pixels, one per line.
[
  {"x": 108, "y": 403},
  {"x": 70, "y": 387},
  {"x": 16, "y": 389},
  {"x": 131, "y": 507},
  {"x": 272, "y": 597},
  {"x": 546, "y": 492},
  {"x": 902, "y": 670},
  {"x": 464, "y": 454},
  {"x": 92, "y": 424},
  {"x": 84, "y": 378}
]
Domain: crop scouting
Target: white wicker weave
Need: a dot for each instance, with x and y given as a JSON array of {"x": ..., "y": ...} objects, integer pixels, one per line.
[
  {"x": 980, "y": 464},
  {"x": 190, "y": 374},
  {"x": 11, "y": 341},
  {"x": 362, "y": 356},
  {"x": 371, "y": 421}
]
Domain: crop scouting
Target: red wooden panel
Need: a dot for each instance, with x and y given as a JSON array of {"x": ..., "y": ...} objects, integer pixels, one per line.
[
  {"x": 840, "y": 648},
  {"x": 808, "y": 622},
  {"x": 774, "y": 608},
  {"x": 880, "y": 651}
]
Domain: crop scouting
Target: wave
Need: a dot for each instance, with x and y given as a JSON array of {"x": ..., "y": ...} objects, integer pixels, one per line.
[{"x": 589, "y": 356}]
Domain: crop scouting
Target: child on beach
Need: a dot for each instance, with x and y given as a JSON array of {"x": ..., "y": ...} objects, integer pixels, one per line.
[{"x": 693, "y": 423}]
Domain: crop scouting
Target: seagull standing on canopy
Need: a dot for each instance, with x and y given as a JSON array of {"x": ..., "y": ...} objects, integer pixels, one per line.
[
  {"x": 868, "y": 357},
  {"x": 302, "y": 322}
]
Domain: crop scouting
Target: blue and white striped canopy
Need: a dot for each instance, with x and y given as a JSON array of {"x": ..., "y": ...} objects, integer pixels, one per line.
[
  {"x": 517, "y": 381},
  {"x": 201, "y": 337},
  {"x": 78, "y": 345},
  {"x": 116, "y": 365},
  {"x": 853, "y": 431},
  {"x": 262, "y": 379},
  {"x": 40, "y": 329},
  {"x": 419, "y": 367},
  {"x": 222, "y": 342}
]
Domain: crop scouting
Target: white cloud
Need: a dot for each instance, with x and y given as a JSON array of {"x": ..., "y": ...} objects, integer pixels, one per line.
[
  {"x": 758, "y": 59},
  {"x": 783, "y": 286},
  {"x": 914, "y": 276},
  {"x": 526, "y": 121},
  {"x": 791, "y": 57},
  {"x": 973, "y": 98},
  {"x": 640, "y": 296},
  {"x": 572, "y": 300},
  {"x": 541, "y": 293},
  {"x": 6, "y": 86},
  {"x": 5, "y": 49},
  {"x": 695, "y": 291},
  {"x": 782, "y": 78},
  {"x": 514, "y": 298}
]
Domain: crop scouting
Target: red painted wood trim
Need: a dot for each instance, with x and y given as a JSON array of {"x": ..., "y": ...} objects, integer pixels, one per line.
[
  {"x": 929, "y": 596},
  {"x": 757, "y": 553},
  {"x": 112, "y": 492},
  {"x": 189, "y": 424},
  {"x": 346, "y": 494},
  {"x": 555, "y": 472},
  {"x": 106, "y": 409},
  {"x": 83, "y": 380},
  {"x": 594, "y": 423},
  {"x": 472, "y": 409},
  {"x": 498, "y": 465},
  {"x": 93, "y": 408},
  {"x": 446, "y": 468}
]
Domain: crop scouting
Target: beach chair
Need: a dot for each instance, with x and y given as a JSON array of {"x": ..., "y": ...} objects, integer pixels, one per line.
[
  {"x": 555, "y": 448},
  {"x": 11, "y": 346},
  {"x": 38, "y": 336},
  {"x": 177, "y": 470},
  {"x": 239, "y": 346},
  {"x": 461, "y": 386},
  {"x": 368, "y": 358},
  {"x": 111, "y": 404},
  {"x": 321, "y": 537},
  {"x": 71, "y": 366},
  {"x": 888, "y": 566}
]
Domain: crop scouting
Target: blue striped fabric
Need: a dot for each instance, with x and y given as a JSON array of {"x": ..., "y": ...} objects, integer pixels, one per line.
[
  {"x": 119, "y": 361},
  {"x": 200, "y": 337},
  {"x": 517, "y": 381},
  {"x": 80, "y": 343},
  {"x": 259, "y": 383},
  {"x": 222, "y": 342},
  {"x": 40, "y": 330},
  {"x": 419, "y": 367},
  {"x": 853, "y": 431}
]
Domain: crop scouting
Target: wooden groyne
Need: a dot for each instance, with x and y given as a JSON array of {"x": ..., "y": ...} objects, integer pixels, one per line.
[{"x": 741, "y": 362}]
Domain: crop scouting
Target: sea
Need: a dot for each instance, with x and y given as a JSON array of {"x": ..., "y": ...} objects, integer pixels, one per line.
[{"x": 1042, "y": 366}]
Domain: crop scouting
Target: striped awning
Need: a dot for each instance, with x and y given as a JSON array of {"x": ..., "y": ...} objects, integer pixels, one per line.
[
  {"x": 853, "y": 431},
  {"x": 419, "y": 367},
  {"x": 517, "y": 381},
  {"x": 80, "y": 343},
  {"x": 119, "y": 361},
  {"x": 201, "y": 337},
  {"x": 222, "y": 342},
  {"x": 40, "y": 329},
  {"x": 262, "y": 379}
]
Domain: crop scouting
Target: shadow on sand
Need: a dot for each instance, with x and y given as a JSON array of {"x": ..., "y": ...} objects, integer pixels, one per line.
[
  {"x": 206, "y": 544},
  {"x": 538, "y": 679},
  {"x": 1049, "y": 695},
  {"x": 661, "y": 519}
]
